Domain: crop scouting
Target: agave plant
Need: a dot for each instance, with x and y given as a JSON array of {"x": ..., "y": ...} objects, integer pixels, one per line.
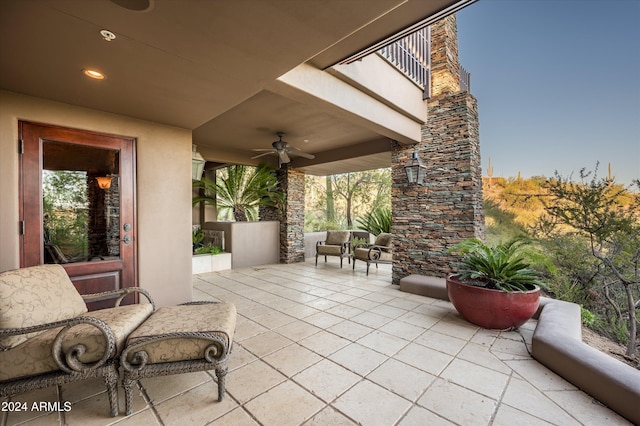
[
  {"x": 502, "y": 267},
  {"x": 376, "y": 222},
  {"x": 241, "y": 190}
]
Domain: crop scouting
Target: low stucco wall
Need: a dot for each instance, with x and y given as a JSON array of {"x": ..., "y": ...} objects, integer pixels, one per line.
[
  {"x": 163, "y": 189},
  {"x": 250, "y": 243}
]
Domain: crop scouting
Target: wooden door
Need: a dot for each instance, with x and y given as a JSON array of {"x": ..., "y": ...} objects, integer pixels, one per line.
[{"x": 77, "y": 205}]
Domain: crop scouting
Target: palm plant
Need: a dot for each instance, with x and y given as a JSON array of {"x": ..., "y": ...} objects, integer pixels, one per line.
[
  {"x": 241, "y": 190},
  {"x": 376, "y": 221},
  {"x": 501, "y": 267}
]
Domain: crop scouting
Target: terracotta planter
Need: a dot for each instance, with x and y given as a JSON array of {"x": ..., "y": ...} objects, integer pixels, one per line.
[{"x": 493, "y": 309}]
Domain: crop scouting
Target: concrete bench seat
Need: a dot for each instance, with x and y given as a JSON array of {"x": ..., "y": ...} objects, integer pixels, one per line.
[{"x": 557, "y": 344}]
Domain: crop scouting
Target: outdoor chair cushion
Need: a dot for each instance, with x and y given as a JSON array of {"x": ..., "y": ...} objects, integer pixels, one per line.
[
  {"x": 337, "y": 237},
  {"x": 35, "y": 357},
  {"x": 329, "y": 250},
  {"x": 34, "y": 296},
  {"x": 216, "y": 319},
  {"x": 384, "y": 239}
]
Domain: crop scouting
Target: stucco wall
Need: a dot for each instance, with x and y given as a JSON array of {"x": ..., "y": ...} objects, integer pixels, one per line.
[{"x": 163, "y": 189}]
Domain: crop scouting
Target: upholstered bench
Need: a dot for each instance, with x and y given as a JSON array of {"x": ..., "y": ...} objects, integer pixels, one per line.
[{"x": 195, "y": 336}]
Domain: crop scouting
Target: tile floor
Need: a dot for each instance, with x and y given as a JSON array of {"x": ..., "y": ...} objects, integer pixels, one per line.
[{"x": 330, "y": 346}]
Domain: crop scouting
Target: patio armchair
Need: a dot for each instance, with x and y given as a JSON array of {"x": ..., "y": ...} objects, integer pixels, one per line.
[
  {"x": 381, "y": 251},
  {"x": 48, "y": 337},
  {"x": 335, "y": 244}
]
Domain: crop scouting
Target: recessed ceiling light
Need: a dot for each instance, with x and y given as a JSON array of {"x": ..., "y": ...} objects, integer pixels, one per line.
[
  {"x": 107, "y": 35},
  {"x": 94, "y": 74}
]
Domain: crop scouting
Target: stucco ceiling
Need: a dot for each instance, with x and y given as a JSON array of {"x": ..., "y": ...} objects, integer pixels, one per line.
[{"x": 203, "y": 65}]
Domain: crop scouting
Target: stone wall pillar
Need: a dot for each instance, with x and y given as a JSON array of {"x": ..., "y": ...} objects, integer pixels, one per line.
[
  {"x": 291, "y": 215},
  {"x": 428, "y": 220}
]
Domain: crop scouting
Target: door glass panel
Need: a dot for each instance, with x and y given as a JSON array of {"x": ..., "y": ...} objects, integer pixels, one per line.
[{"x": 81, "y": 203}]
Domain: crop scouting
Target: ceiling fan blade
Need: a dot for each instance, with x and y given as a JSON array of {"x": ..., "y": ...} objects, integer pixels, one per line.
[
  {"x": 262, "y": 149},
  {"x": 305, "y": 155},
  {"x": 262, "y": 155},
  {"x": 284, "y": 157}
]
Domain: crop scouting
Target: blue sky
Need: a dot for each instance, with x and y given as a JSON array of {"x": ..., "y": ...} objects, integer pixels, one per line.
[{"x": 557, "y": 83}]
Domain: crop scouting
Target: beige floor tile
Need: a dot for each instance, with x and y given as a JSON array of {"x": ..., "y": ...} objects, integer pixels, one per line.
[
  {"x": 388, "y": 311},
  {"x": 402, "y": 329},
  {"x": 539, "y": 376},
  {"x": 246, "y": 328},
  {"x": 358, "y": 358},
  {"x": 421, "y": 416},
  {"x": 77, "y": 391},
  {"x": 236, "y": 417},
  {"x": 586, "y": 409},
  {"x": 340, "y": 297},
  {"x": 198, "y": 406},
  {"x": 401, "y": 378},
  {"x": 287, "y": 404},
  {"x": 297, "y": 330},
  {"x": 480, "y": 354},
  {"x": 370, "y": 319},
  {"x": 459, "y": 329},
  {"x": 509, "y": 349},
  {"x": 35, "y": 419},
  {"x": 381, "y": 298},
  {"x": 329, "y": 416},
  {"x": 363, "y": 304},
  {"x": 299, "y": 311},
  {"x": 475, "y": 377},
  {"x": 441, "y": 342},
  {"x": 322, "y": 303},
  {"x": 370, "y": 404},
  {"x": 419, "y": 319},
  {"x": 327, "y": 379},
  {"x": 382, "y": 342},
  {"x": 323, "y": 319},
  {"x": 273, "y": 320},
  {"x": 426, "y": 359},
  {"x": 457, "y": 404},
  {"x": 141, "y": 418},
  {"x": 509, "y": 416},
  {"x": 94, "y": 411},
  {"x": 324, "y": 343},
  {"x": 292, "y": 359},
  {"x": 251, "y": 380},
  {"x": 265, "y": 343},
  {"x": 239, "y": 356},
  {"x": 536, "y": 403},
  {"x": 161, "y": 388},
  {"x": 345, "y": 311}
]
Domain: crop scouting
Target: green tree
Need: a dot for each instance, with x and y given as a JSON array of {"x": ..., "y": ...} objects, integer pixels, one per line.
[
  {"x": 592, "y": 210},
  {"x": 240, "y": 190}
]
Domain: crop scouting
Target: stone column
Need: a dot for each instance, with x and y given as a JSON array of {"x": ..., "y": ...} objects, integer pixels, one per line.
[
  {"x": 428, "y": 220},
  {"x": 291, "y": 215}
]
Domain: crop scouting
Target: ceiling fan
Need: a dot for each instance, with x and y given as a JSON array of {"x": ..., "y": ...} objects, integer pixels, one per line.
[{"x": 282, "y": 149}]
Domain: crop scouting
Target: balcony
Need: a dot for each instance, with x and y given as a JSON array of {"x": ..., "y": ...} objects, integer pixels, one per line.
[{"x": 331, "y": 346}]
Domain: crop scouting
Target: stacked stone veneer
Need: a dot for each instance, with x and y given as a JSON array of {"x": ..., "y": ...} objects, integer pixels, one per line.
[
  {"x": 428, "y": 220},
  {"x": 290, "y": 215}
]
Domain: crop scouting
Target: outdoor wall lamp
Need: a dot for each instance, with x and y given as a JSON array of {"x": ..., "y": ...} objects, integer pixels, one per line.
[
  {"x": 104, "y": 182},
  {"x": 197, "y": 164},
  {"x": 416, "y": 171}
]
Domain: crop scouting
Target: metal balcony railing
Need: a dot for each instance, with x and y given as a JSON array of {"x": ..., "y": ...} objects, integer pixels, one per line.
[{"x": 411, "y": 55}]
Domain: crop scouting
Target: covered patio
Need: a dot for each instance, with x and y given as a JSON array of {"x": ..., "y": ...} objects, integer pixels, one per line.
[{"x": 325, "y": 345}]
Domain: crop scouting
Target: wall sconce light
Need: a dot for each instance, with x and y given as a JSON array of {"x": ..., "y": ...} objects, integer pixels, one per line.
[
  {"x": 416, "y": 170},
  {"x": 197, "y": 164},
  {"x": 104, "y": 182}
]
